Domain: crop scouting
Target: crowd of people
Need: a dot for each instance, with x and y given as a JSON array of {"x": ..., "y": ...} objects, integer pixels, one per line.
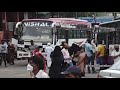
[
  {"x": 63, "y": 61},
  {"x": 70, "y": 62}
]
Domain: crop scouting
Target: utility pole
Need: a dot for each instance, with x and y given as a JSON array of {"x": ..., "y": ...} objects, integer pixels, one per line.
[
  {"x": 4, "y": 23},
  {"x": 17, "y": 16},
  {"x": 114, "y": 15},
  {"x": 58, "y": 14},
  {"x": 76, "y": 15},
  {"x": 25, "y": 15},
  {"x": 94, "y": 21}
]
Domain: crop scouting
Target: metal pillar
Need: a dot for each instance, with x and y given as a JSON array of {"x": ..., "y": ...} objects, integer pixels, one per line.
[
  {"x": 94, "y": 18},
  {"x": 4, "y": 24},
  {"x": 58, "y": 14},
  {"x": 17, "y": 16},
  {"x": 76, "y": 15},
  {"x": 25, "y": 15}
]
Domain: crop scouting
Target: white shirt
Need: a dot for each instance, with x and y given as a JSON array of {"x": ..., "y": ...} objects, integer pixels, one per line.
[
  {"x": 65, "y": 53},
  {"x": 6, "y": 44},
  {"x": 42, "y": 74},
  {"x": 3, "y": 48},
  {"x": 115, "y": 53},
  {"x": 48, "y": 50},
  {"x": 93, "y": 47}
]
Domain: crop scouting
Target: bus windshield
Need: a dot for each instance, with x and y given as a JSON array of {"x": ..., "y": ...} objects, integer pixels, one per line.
[{"x": 37, "y": 32}]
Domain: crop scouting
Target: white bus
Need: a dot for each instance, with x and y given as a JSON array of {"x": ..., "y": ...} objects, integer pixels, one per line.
[
  {"x": 53, "y": 30},
  {"x": 71, "y": 30},
  {"x": 38, "y": 30}
]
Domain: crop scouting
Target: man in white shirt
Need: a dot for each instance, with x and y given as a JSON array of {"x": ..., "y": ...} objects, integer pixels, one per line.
[
  {"x": 116, "y": 53},
  {"x": 93, "y": 46},
  {"x": 66, "y": 54},
  {"x": 3, "y": 51},
  {"x": 48, "y": 50},
  {"x": 94, "y": 49}
]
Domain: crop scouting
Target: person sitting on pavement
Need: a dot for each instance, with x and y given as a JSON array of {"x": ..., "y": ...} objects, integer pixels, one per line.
[
  {"x": 36, "y": 67},
  {"x": 72, "y": 72}
]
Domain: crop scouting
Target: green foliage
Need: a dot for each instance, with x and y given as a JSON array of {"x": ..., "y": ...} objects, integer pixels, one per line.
[{"x": 77, "y": 14}]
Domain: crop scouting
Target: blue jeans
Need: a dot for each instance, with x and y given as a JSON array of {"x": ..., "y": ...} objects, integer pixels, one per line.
[
  {"x": 70, "y": 64},
  {"x": 100, "y": 60},
  {"x": 89, "y": 60}
]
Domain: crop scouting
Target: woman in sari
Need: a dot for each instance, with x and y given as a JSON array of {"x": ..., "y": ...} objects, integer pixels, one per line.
[{"x": 80, "y": 58}]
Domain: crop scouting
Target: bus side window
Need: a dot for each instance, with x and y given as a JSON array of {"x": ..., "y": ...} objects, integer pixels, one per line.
[{"x": 72, "y": 33}]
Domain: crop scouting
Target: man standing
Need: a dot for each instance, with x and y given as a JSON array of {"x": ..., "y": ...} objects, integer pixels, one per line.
[
  {"x": 3, "y": 49},
  {"x": 11, "y": 53},
  {"x": 89, "y": 55},
  {"x": 32, "y": 47},
  {"x": 100, "y": 54},
  {"x": 66, "y": 54},
  {"x": 94, "y": 52},
  {"x": 48, "y": 50},
  {"x": 116, "y": 53}
]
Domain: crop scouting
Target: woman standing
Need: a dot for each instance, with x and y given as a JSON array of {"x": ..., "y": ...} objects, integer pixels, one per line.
[{"x": 57, "y": 62}]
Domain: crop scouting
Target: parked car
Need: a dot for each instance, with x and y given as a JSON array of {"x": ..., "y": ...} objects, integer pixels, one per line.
[{"x": 112, "y": 72}]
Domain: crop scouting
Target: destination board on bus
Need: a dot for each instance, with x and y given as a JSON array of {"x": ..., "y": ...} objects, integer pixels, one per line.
[{"x": 38, "y": 23}]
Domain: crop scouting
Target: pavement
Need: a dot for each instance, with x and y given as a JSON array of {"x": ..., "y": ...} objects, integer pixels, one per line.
[{"x": 19, "y": 71}]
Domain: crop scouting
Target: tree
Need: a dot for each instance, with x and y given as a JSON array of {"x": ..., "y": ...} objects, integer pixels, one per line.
[{"x": 76, "y": 14}]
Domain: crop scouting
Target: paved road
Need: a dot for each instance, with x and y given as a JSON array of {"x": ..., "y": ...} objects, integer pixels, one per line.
[
  {"x": 14, "y": 71},
  {"x": 19, "y": 71}
]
